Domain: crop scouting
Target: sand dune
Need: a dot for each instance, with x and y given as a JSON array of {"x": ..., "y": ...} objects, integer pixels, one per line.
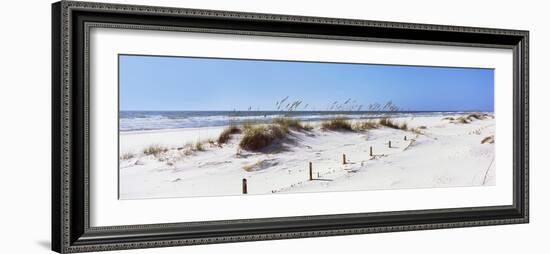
[{"x": 445, "y": 154}]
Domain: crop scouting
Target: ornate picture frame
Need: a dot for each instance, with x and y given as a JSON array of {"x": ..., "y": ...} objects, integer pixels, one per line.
[{"x": 71, "y": 196}]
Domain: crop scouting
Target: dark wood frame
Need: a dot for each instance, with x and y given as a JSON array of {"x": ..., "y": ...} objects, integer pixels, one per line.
[{"x": 71, "y": 22}]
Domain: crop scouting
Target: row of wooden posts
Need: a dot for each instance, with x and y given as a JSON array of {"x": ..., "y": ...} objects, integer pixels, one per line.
[{"x": 245, "y": 187}]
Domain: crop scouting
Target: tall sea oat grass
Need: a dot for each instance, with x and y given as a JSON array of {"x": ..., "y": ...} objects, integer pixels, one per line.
[
  {"x": 227, "y": 133},
  {"x": 290, "y": 123},
  {"x": 365, "y": 125},
  {"x": 337, "y": 124},
  {"x": 255, "y": 138}
]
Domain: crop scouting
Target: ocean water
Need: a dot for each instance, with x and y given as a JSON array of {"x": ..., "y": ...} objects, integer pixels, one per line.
[{"x": 158, "y": 120}]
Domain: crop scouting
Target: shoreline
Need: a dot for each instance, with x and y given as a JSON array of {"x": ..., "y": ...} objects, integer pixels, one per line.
[{"x": 301, "y": 116}]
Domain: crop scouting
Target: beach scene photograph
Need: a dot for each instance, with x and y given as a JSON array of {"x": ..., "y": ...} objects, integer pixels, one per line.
[{"x": 206, "y": 127}]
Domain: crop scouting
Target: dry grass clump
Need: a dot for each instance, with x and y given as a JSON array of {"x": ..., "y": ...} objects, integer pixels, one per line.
[
  {"x": 258, "y": 137},
  {"x": 403, "y": 126},
  {"x": 337, "y": 124},
  {"x": 418, "y": 130},
  {"x": 155, "y": 150},
  {"x": 186, "y": 152},
  {"x": 248, "y": 125},
  {"x": 308, "y": 127},
  {"x": 260, "y": 165},
  {"x": 227, "y": 133},
  {"x": 393, "y": 124},
  {"x": 488, "y": 140},
  {"x": 387, "y": 122},
  {"x": 127, "y": 156},
  {"x": 365, "y": 125},
  {"x": 190, "y": 148},
  {"x": 468, "y": 118},
  {"x": 462, "y": 120},
  {"x": 477, "y": 116},
  {"x": 290, "y": 123},
  {"x": 199, "y": 146}
]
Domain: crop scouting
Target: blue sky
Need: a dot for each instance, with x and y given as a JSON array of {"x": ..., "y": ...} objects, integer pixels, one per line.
[{"x": 180, "y": 83}]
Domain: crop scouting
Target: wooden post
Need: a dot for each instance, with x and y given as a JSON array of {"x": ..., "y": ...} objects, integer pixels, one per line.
[
  {"x": 245, "y": 189},
  {"x": 371, "y": 151},
  {"x": 389, "y": 144},
  {"x": 310, "y": 171},
  {"x": 405, "y": 138},
  {"x": 344, "y": 158}
]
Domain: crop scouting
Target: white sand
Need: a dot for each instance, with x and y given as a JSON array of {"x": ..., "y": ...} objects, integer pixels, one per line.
[
  {"x": 445, "y": 155},
  {"x": 136, "y": 141}
]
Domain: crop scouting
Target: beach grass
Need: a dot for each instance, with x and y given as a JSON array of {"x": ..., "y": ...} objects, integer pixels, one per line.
[
  {"x": 227, "y": 133},
  {"x": 337, "y": 124},
  {"x": 418, "y": 130},
  {"x": 127, "y": 156},
  {"x": 465, "y": 119},
  {"x": 365, "y": 125},
  {"x": 387, "y": 122},
  {"x": 462, "y": 120},
  {"x": 308, "y": 127},
  {"x": 155, "y": 150},
  {"x": 390, "y": 123},
  {"x": 477, "y": 116},
  {"x": 257, "y": 137},
  {"x": 290, "y": 123},
  {"x": 248, "y": 124},
  {"x": 488, "y": 140},
  {"x": 404, "y": 126},
  {"x": 199, "y": 146}
]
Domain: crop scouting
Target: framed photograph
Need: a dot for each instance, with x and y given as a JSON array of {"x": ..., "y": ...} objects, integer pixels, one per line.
[{"x": 182, "y": 126}]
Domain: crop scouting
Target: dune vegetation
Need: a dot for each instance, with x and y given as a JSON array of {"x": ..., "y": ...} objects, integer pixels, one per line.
[
  {"x": 488, "y": 140},
  {"x": 291, "y": 123},
  {"x": 260, "y": 136},
  {"x": 468, "y": 118},
  {"x": 155, "y": 150},
  {"x": 390, "y": 123},
  {"x": 365, "y": 125},
  {"x": 337, "y": 124},
  {"x": 256, "y": 136},
  {"x": 227, "y": 133}
]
